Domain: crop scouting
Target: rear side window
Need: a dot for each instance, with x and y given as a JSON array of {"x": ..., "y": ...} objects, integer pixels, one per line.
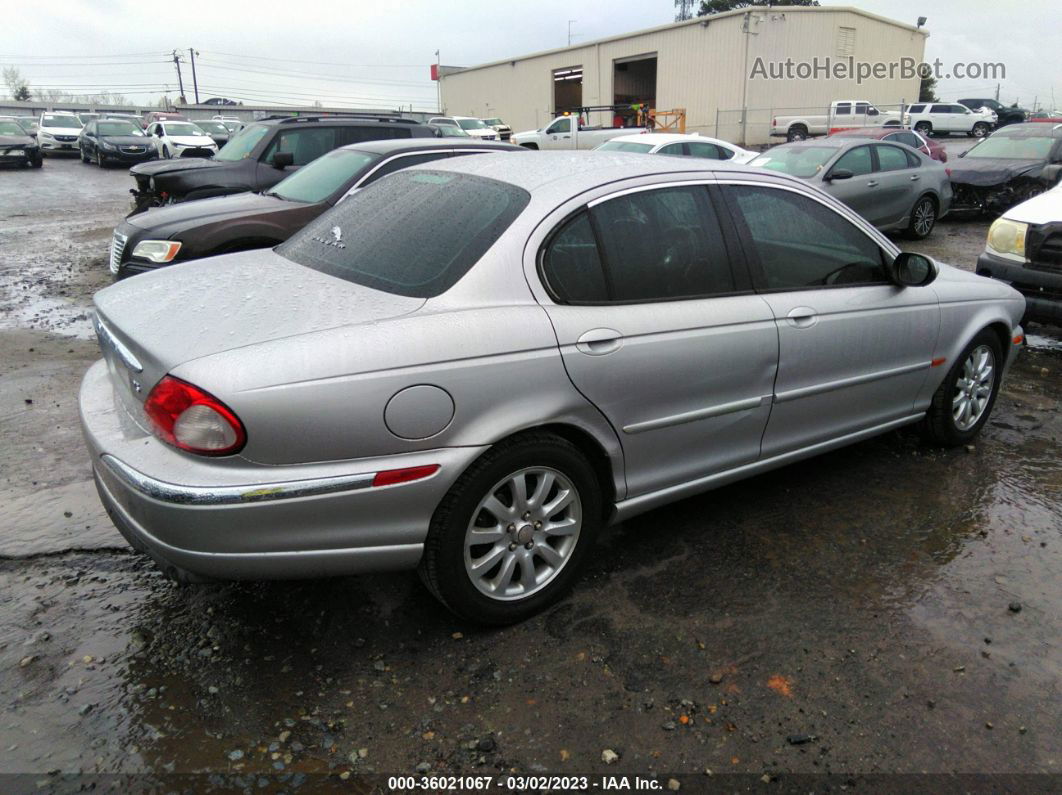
[
  {"x": 352, "y": 134},
  {"x": 913, "y": 160},
  {"x": 654, "y": 245},
  {"x": 413, "y": 234},
  {"x": 398, "y": 163},
  {"x": 940, "y": 109},
  {"x": 801, "y": 244},
  {"x": 709, "y": 151},
  {"x": 892, "y": 158}
]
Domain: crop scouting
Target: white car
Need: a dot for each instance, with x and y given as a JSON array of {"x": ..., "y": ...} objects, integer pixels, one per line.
[
  {"x": 693, "y": 145},
  {"x": 181, "y": 139},
  {"x": 58, "y": 132},
  {"x": 932, "y": 118},
  {"x": 473, "y": 126},
  {"x": 504, "y": 130}
]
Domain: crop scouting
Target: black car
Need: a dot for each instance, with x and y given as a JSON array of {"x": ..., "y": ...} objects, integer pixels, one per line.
[
  {"x": 106, "y": 141},
  {"x": 1006, "y": 168},
  {"x": 217, "y": 131},
  {"x": 224, "y": 224},
  {"x": 1004, "y": 115},
  {"x": 260, "y": 155},
  {"x": 17, "y": 147}
]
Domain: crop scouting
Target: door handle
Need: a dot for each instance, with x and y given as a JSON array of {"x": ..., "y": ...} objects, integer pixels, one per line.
[
  {"x": 599, "y": 341},
  {"x": 802, "y": 317},
  {"x": 565, "y": 136},
  {"x": 915, "y": 178},
  {"x": 872, "y": 184}
]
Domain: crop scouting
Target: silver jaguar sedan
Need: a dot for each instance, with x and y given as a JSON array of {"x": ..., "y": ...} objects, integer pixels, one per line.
[{"x": 473, "y": 366}]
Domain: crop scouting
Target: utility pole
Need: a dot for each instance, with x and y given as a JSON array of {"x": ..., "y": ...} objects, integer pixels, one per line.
[
  {"x": 195, "y": 83},
  {"x": 180, "y": 81},
  {"x": 438, "y": 80},
  {"x": 997, "y": 92}
]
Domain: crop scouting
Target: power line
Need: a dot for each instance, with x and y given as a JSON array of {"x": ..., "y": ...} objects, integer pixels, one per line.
[
  {"x": 325, "y": 63},
  {"x": 315, "y": 76}
]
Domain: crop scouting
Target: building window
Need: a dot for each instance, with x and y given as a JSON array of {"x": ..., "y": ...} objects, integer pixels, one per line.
[{"x": 846, "y": 42}]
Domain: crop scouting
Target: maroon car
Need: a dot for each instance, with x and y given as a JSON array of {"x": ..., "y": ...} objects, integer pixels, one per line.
[{"x": 901, "y": 135}]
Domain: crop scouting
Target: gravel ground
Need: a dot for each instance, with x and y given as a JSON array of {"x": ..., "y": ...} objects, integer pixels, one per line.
[{"x": 884, "y": 609}]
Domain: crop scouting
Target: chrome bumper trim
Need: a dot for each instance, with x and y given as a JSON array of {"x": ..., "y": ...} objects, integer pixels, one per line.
[{"x": 236, "y": 495}]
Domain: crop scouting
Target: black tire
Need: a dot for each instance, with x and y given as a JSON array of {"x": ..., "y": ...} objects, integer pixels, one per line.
[
  {"x": 980, "y": 130},
  {"x": 939, "y": 425},
  {"x": 532, "y": 147},
  {"x": 84, "y": 158},
  {"x": 923, "y": 218},
  {"x": 38, "y": 162},
  {"x": 442, "y": 568},
  {"x": 99, "y": 159},
  {"x": 924, "y": 128},
  {"x": 166, "y": 152},
  {"x": 798, "y": 132}
]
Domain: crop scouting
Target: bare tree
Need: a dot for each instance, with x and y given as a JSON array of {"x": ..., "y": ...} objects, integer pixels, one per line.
[{"x": 16, "y": 83}]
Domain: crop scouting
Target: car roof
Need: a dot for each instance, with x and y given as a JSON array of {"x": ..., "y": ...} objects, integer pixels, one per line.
[
  {"x": 656, "y": 139},
  {"x": 389, "y": 146},
  {"x": 571, "y": 172}
]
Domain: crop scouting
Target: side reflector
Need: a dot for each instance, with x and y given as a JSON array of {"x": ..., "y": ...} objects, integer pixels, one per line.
[
  {"x": 391, "y": 477},
  {"x": 938, "y": 362},
  {"x": 1019, "y": 339}
]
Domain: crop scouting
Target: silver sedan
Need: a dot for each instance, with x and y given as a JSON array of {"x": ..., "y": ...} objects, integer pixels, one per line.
[
  {"x": 473, "y": 366},
  {"x": 895, "y": 187}
]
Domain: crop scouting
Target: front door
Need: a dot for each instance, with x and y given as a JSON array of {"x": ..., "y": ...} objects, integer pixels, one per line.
[
  {"x": 854, "y": 348},
  {"x": 860, "y": 191},
  {"x": 659, "y": 330},
  {"x": 558, "y": 134}
]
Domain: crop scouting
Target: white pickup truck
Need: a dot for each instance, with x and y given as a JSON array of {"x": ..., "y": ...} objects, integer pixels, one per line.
[
  {"x": 843, "y": 113},
  {"x": 564, "y": 132}
]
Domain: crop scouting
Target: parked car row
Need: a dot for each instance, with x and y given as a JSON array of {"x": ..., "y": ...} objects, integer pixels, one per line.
[{"x": 345, "y": 402}]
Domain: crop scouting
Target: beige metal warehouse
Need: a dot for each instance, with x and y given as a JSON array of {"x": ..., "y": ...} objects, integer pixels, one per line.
[{"x": 704, "y": 65}]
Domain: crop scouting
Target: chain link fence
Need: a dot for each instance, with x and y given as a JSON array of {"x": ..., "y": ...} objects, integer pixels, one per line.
[{"x": 754, "y": 127}]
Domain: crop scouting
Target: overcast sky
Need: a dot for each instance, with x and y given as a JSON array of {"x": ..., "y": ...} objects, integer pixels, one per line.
[{"x": 378, "y": 54}]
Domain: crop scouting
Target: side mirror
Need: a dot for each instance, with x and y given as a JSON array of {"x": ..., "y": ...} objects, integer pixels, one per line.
[
  {"x": 963, "y": 154},
  {"x": 913, "y": 270},
  {"x": 872, "y": 112},
  {"x": 839, "y": 173},
  {"x": 33, "y": 135},
  {"x": 283, "y": 159},
  {"x": 158, "y": 133}
]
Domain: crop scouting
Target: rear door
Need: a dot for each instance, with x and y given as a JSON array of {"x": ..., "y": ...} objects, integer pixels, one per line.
[
  {"x": 941, "y": 117},
  {"x": 854, "y": 348},
  {"x": 899, "y": 182},
  {"x": 659, "y": 329}
]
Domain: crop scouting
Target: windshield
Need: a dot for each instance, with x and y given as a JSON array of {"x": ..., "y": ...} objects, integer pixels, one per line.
[
  {"x": 802, "y": 161},
  {"x": 71, "y": 122},
  {"x": 444, "y": 122},
  {"x": 242, "y": 144},
  {"x": 213, "y": 126},
  {"x": 231, "y": 125},
  {"x": 624, "y": 146},
  {"x": 471, "y": 124},
  {"x": 494, "y": 122},
  {"x": 117, "y": 128},
  {"x": 1025, "y": 147},
  {"x": 181, "y": 128},
  {"x": 11, "y": 128},
  {"x": 413, "y": 234},
  {"x": 322, "y": 177}
]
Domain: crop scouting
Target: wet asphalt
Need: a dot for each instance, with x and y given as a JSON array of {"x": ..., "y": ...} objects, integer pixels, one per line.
[{"x": 888, "y": 608}]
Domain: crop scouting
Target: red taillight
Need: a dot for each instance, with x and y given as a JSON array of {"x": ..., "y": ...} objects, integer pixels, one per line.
[
  {"x": 193, "y": 420},
  {"x": 391, "y": 477},
  {"x": 947, "y": 171}
]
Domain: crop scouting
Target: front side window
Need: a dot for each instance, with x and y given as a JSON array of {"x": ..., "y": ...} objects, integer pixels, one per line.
[
  {"x": 563, "y": 125},
  {"x": 305, "y": 144},
  {"x": 624, "y": 146},
  {"x": 799, "y": 161},
  {"x": 413, "y": 234},
  {"x": 857, "y": 160},
  {"x": 799, "y": 243},
  {"x": 916, "y": 108},
  {"x": 891, "y": 158}
]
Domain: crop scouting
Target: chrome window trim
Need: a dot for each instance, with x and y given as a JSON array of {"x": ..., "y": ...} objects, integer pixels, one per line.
[
  {"x": 642, "y": 188},
  {"x": 357, "y": 185}
]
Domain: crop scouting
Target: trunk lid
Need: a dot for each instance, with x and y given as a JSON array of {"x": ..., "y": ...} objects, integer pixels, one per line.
[{"x": 150, "y": 324}]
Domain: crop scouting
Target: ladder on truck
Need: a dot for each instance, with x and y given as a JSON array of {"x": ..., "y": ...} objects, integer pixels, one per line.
[{"x": 632, "y": 115}]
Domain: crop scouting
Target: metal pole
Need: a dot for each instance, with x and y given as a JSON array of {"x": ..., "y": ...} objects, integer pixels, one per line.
[
  {"x": 195, "y": 83},
  {"x": 177, "y": 63},
  {"x": 745, "y": 81},
  {"x": 438, "y": 80}
]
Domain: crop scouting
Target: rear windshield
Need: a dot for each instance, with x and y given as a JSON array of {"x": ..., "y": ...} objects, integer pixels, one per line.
[
  {"x": 413, "y": 233},
  {"x": 117, "y": 128},
  {"x": 624, "y": 146}
]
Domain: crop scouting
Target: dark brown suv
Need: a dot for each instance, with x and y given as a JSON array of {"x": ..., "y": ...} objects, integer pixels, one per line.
[{"x": 260, "y": 155}]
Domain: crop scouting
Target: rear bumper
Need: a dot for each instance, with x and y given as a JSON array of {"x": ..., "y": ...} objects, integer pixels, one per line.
[
  {"x": 1042, "y": 289},
  {"x": 234, "y": 519}
]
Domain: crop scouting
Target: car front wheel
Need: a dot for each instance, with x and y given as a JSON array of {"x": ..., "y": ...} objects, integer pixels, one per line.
[
  {"x": 964, "y": 401},
  {"x": 924, "y": 128},
  {"x": 980, "y": 130},
  {"x": 511, "y": 534}
]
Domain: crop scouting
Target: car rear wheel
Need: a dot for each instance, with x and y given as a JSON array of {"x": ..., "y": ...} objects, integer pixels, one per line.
[
  {"x": 797, "y": 132},
  {"x": 923, "y": 218},
  {"x": 511, "y": 534},
  {"x": 925, "y": 128},
  {"x": 964, "y": 401}
]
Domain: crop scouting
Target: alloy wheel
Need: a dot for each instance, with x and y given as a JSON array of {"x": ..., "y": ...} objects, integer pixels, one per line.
[
  {"x": 973, "y": 388},
  {"x": 522, "y": 533},
  {"x": 925, "y": 215}
]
